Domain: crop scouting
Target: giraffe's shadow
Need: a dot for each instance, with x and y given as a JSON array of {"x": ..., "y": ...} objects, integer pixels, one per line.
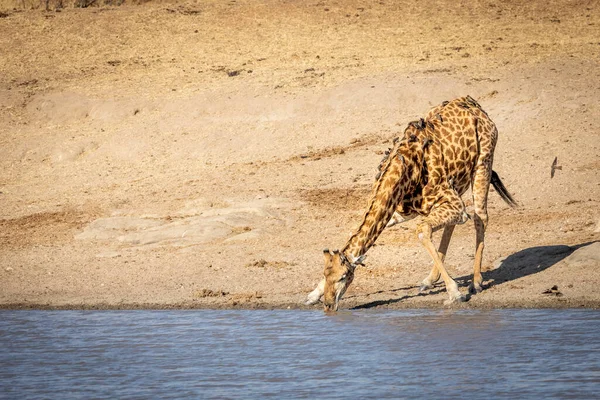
[{"x": 518, "y": 265}]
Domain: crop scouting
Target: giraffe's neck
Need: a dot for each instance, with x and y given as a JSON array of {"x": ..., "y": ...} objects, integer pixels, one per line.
[
  {"x": 378, "y": 215},
  {"x": 395, "y": 181}
]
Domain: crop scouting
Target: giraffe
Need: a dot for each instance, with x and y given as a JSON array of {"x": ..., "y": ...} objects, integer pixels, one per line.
[{"x": 425, "y": 174}]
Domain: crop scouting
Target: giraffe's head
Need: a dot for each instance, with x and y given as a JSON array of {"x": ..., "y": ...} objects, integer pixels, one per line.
[{"x": 339, "y": 273}]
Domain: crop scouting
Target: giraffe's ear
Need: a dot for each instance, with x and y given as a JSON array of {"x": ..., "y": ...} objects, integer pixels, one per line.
[{"x": 326, "y": 255}]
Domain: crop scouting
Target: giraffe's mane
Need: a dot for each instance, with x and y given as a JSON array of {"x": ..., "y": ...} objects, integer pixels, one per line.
[{"x": 420, "y": 125}]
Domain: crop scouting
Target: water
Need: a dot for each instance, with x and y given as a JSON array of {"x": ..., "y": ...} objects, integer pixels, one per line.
[{"x": 300, "y": 354}]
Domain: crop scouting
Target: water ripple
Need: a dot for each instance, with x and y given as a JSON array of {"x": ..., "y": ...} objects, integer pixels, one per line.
[{"x": 299, "y": 354}]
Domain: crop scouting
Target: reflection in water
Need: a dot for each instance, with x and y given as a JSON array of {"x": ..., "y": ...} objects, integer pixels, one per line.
[{"x": 291, "y": 354}]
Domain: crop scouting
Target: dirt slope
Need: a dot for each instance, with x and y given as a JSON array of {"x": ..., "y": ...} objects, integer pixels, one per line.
[{"x": 202, "y": 154}]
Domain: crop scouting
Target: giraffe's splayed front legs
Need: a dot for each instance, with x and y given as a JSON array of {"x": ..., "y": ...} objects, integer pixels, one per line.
[
  {"x": 434, "y": 275},
  {"x": 447, "y": 215},
  {"x": 424, "y": 232}
]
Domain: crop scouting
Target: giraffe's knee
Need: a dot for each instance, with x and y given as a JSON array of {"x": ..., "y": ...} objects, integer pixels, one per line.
[
  {"x": 481, "y": 217},
  {"x": 424, "y": 231}
]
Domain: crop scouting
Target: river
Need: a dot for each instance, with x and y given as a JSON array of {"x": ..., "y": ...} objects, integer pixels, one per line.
[{"x": 216, "y": 354}]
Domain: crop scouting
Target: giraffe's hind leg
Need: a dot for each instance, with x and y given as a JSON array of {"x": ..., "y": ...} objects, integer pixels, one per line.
[
  {"x": 434, "y": 275},
  {"x": 481, "y": 185}
]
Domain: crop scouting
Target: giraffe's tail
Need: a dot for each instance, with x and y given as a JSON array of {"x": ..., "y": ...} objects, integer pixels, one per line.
[{"x": 501, "y": 190}]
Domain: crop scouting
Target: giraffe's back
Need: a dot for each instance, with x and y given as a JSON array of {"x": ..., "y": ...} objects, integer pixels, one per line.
[
  {"x": 460, "y": 136},
  {"x": 463, "y": 136}
]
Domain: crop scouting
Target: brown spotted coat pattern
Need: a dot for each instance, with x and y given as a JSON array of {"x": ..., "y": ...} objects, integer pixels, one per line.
[{"x": 425, "y": 173}]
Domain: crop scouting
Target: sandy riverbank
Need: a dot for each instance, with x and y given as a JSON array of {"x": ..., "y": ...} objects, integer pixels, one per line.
[{"x": 201, "y": 154}]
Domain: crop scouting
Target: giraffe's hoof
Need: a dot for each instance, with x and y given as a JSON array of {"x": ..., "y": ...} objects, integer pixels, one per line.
[
  {"x": 311, "y": 300},
  {"x": 424, "y": 287},
  {"x": 475, "y": 288},
  {"x": 455, "y": 298}
]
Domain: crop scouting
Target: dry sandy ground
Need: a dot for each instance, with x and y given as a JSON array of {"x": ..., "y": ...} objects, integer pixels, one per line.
[{"x": 202, "y": 154}]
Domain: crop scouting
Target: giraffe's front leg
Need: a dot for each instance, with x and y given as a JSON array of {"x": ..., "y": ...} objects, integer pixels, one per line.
[
  {"x": 434, "y": 275},
  {"x": 433, "y": 195},
  {"x": 446, "y": 214},
  {"x": 314, "y": 296},
  {"x": 424, "y": 232}
]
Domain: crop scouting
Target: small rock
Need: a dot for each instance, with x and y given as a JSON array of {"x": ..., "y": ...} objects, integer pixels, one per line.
[
  {"x": 553, "y": 291},
  {"x": 211, "y": 293},
  {"x": 8, "y": 269}
]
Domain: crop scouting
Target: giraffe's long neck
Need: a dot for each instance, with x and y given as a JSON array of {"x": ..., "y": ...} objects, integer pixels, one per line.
[
  {"x": 396, "y": 180},
  {"x": 367, "y": 233}
]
